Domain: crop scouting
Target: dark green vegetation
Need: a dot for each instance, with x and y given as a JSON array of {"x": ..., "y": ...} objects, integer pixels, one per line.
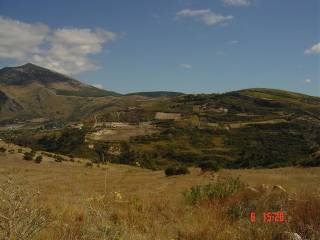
[
  {"x": 176, "y": 170},
  {"x": 209, "y": 166},
  {"x": 38, "y": 159},
  {"x": 220, "y": 189},
  {"x": 270, "y": 135},
  {"x": 28, "y": 156},
  {"x": 69, "y": 142},
  {"x": 250, "y": 128}
]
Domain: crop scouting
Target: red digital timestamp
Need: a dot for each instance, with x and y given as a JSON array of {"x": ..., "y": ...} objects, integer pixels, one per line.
[{"x": 269, "y": 217}]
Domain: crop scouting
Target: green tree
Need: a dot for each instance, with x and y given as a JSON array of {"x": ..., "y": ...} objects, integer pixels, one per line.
[{"x": 38, "y": 159}]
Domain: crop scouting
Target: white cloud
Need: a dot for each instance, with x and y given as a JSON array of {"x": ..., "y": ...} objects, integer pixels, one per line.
[
  {"x": 233, "y": 42},
  {"x": 185, "y": 66},
  {"x": 236, "y": 2},
  {"x": 307, "y": 81},
  {"x": 315, "y": 49},
  {"x": 64, "y": 50},
  {"x": 69, "y": 49},
  {"x": 97, "y": 85},
  {"x": 18, "y": 39},
  {"x": 205, "y": 15}
]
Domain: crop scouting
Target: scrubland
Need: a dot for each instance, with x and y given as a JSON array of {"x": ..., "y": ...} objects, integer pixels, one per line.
[{"x": 113, "y": 202}]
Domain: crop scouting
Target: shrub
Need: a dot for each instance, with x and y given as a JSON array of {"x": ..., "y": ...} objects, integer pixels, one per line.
[
  {"x": 28, "y": 156},
  {"x": 19, "y": 150},
  {"x": 209, "y": 166},
  {"x": 58, "y": 158},
  {"x": 89, "y": 164},
  {"x": 11, "y": 151},
  {"x": 38, "y": 159},
  {"x": 2, "y": 150},
  {"x": 176, "y": 170},
  {"x": 220, "y": 189},
  {"x": 169, "y": 171},
  {"x": 311, "y": 163},
  {"x": 182, "y": 170}
]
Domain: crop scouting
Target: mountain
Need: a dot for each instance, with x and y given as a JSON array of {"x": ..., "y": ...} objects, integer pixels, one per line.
[
  {"x": 58, "y": 83},
  {"x": 30, "y": 91},
  {"x": 8, "y": 106}
]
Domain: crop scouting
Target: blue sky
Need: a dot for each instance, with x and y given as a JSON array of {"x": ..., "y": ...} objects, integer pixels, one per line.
[{"x": 179, "y": 45}]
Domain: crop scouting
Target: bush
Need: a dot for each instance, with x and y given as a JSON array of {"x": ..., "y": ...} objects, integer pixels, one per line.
[
  {"x": 210, "y": 166},
  {"x": 38, "y": 159},
  {"x": 176, "y": 170},
  {"x": 169, "y": 171},
  {"x": 58, "y": 158},
  {"x": 217, "y": 190},
  {"x": 2, "y": 150},
  {"x": 33, "y": 153},
  {"x": 89, "y": 164},
  {"x": 311, "y": 163},
  {"x": 28, "y": 156},
  {"x": 19, "y": 150}
]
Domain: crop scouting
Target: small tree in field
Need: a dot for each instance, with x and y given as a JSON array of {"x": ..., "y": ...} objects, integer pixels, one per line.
[
  {"x": 176, "y": 170},
  {"x": 2, "y": 150},
  {"x": 28, "y": 156},
  {"x": 210, "y": 166},
  {"x": 38, "y": 159}
]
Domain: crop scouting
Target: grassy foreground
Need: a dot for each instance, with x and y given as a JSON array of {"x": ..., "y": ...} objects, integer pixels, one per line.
[{"x": 130, "y": 203}]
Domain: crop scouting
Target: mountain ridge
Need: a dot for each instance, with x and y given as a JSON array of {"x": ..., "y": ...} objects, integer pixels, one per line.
[
  {"x": 60, "y": 83},
  {"x": 29, "y": 91}
]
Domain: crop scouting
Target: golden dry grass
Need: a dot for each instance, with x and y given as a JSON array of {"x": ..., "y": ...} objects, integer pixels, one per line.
[{"x": 123, "y": 202}]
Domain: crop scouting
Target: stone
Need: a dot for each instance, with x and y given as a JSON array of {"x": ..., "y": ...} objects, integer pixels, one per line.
[
  {"x": 278, "y": 188},
  {"x": 263, "y": 188},
  {"x": 288, "y": 236},
  {"x": 252, "y": 192}
]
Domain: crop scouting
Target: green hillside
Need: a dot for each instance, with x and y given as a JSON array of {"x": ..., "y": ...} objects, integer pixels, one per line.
[
  {"x": 242, "y": 129},
  {"x": 248, "y": 128}
]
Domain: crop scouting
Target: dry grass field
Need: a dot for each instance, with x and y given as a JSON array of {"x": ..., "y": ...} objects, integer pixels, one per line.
[{"x": 130, "y": 203}]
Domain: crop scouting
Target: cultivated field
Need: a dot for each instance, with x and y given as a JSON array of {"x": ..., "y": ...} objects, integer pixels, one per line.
[{"x": 122, "y": 202}]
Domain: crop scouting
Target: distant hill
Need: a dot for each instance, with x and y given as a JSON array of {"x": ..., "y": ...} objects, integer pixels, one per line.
[{"x": 156, "y": 94}]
